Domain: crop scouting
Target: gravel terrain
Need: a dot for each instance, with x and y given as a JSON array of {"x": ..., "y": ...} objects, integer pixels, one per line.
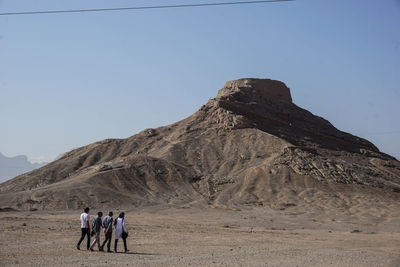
[{"x": 205, "y": 237}]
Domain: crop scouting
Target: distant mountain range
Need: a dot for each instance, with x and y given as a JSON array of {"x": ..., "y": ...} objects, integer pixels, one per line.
[{"x": 14, "y": 166}]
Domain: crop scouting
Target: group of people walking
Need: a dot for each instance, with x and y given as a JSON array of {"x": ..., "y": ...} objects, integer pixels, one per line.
[{"x": 107, "y": 224}]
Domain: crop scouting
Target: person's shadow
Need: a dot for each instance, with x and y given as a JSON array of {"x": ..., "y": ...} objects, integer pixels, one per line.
[{"x": 137, "y": 253}]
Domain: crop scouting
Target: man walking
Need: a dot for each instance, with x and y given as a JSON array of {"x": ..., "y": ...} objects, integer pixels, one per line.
[
  {"x": 96, "y": 223},
  {"x": 107, "y": 225},
  {"x": 85, "y": 228}
]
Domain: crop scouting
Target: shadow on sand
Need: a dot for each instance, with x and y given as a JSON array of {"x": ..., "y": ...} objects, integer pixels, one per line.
[
  {"x": 129, "y": 252},
  {"x": 137, "y": 253}
]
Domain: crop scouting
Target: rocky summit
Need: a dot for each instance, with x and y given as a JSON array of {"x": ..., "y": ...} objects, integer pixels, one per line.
[{"x": 249, "y": 146}]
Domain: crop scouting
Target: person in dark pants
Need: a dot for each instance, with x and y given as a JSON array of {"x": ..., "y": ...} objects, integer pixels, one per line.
[
  {"x": 85, "y": 228},
  {"x": 107, "y": 225},
  {"x": 120, "y": 231}
]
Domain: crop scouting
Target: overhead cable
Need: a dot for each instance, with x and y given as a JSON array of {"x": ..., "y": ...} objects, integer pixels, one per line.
[{"x": 139, "y": 7}]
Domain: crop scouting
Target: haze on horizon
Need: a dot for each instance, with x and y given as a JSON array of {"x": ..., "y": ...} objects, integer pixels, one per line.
[{"x": 67, "y": 80}]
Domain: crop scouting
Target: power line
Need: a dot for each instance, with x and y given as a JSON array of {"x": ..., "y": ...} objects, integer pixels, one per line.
[{"x": 139, "y": 7}]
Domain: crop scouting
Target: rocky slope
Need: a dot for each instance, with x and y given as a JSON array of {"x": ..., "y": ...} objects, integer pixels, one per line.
[{"x": 251, "y": 145}]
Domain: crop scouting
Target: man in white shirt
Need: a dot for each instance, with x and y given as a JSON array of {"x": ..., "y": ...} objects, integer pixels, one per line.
[{"x": 85, "y": 227}]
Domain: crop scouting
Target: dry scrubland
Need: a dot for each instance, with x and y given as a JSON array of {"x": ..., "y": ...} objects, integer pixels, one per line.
[{"x": 207, "y": 237}]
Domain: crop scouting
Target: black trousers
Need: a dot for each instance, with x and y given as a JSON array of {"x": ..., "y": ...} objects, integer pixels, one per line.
[
  {"x": 107, "y": 238},
  {"x": 85, "y": 231},
  {"x": 116, "y": 244}
]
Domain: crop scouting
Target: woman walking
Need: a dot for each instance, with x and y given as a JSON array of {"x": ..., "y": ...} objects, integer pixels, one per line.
[{"x": 120, "y": 231}]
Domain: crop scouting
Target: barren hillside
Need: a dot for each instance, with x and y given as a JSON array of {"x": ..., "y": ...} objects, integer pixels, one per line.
[{"x": 251, "y": 145}]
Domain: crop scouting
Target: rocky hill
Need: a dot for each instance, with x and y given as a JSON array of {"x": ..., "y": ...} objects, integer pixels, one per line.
[{"x": 249, "y": 146}]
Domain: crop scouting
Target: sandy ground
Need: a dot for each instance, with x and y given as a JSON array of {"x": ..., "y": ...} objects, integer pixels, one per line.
[{"x": 206, "y": 237}]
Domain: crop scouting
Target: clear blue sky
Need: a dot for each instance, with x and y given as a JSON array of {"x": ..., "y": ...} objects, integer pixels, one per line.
[{"x": 67, "y": 80}]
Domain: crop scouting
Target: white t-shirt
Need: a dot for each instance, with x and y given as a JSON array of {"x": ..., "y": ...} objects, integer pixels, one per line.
[{"x": 85, "y": 218}]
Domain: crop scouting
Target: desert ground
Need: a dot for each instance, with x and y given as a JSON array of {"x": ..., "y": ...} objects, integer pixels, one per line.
[{"x": 215, "y": 236}]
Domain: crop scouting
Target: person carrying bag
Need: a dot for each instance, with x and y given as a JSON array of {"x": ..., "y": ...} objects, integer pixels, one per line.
[{"x": 120, "y": 231}]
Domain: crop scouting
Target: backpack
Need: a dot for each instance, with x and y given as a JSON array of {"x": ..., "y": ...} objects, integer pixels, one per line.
[
  {"x": 104, "y": 223},
  {"x": 94, "y": 222}
]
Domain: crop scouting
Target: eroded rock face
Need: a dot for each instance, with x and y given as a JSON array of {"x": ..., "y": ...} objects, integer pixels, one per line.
[
  {"x": 255, "y": 90},
  {"x": 340, "y": 167},
  {"x": 267, "y": 105}
]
